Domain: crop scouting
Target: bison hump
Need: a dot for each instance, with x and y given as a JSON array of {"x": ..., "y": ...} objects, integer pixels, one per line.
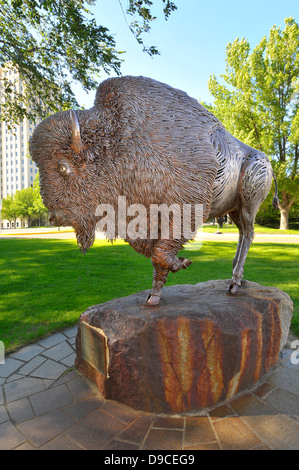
[{"x": 166, "y": 132}]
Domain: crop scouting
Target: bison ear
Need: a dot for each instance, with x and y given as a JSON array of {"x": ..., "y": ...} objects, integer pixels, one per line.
[{"x": 76, "y": 143}]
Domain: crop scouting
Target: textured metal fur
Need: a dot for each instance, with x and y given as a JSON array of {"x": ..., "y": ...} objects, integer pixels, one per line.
[{"x": 152, "y": 144}]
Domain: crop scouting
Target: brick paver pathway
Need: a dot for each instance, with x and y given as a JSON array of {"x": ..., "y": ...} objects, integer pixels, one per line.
[{"x": 46, "y": 404}]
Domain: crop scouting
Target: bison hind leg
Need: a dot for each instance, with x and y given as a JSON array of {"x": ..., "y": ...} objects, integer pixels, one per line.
[
  {"x": 255, "y": 182},
  {"x": 245, "y": 223}
]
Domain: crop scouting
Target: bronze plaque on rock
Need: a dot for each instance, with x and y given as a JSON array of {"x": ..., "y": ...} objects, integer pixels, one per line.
[{"x": 94, "y": 348}]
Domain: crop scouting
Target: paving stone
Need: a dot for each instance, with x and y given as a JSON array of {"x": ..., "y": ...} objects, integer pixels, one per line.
[
  {"x": 198, "y": 430},
  {"x": 137, "y": 431},
  {"x": 3, "y": 414},
  {"x": 28, "y": 353},
  {"x": 84, "y": 407},
  {"x": 285, "y": 354},
  {"x": 123, "y": 413},
  {"x": 119, "y": 445},
  {"x": 233, "y": 434},
  {"x": 49, "y": 370},
  {"x": 59, "y": 351},
  {"x": 221, "y": 412},
  {"x": 60, "y": 443},
  {"x": 30, "y": 366},
  {"x": 69, "y": 360},
  {"x": 163, "y": 439},
  {"x": 250, "y": 405},
  {"x": 166, "y": 422},
  {"x": 22, "y": 388},
  {"x": 276, "y": 431},
  {"x": 20, "y": 410},
  {"x": 82, "y": 388},
  {"x": 10, "y": 437},
  {"x": 285, "y": 378},
  {"x": 10, "y": 366},
  {"x": 210, "y": 446},
  {"x": 263, "y": 447},
  {"x": 263, "y": 390},
  {"x": 72, "y": 342},
  {"x": 48, "y": 382},
  {"x": 68, "y": 376},
  {"x": 25, "y": 446},
  {"x": 44, "y": 428},
  {"x": 284, "y": 402},
  {"x": 51, "y": 399},
  {"x": 71, "y": 332},
  {"x": 95, "y": 431},
  {"x": 52, "y": 340},
  {"x": 14, "y": 377}
]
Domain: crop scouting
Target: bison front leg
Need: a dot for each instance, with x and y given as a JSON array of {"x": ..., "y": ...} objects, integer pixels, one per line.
[
  {"x": 164, "y": 260},
  {"x": 159, "y": 279}
]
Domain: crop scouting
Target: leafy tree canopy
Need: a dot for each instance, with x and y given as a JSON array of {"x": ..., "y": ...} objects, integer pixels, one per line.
[
  {"x": 50, "y": 42},
  {"x": 259, "y": 102}
]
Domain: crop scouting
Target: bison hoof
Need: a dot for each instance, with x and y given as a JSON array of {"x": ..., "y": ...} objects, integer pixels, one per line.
[
  {"x": 185, "y": 262},
  {"x": 153, "y": 300},
  {"x": 233, "y": 288}
]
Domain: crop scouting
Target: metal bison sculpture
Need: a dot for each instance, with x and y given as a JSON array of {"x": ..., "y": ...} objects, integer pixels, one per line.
[{"x": 151, "y": 144}]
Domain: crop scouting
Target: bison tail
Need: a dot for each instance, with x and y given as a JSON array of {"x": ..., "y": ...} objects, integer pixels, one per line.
[{"x": 275, "y": 201}]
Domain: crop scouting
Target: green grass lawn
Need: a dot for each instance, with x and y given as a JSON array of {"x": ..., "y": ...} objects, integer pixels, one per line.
[{"x": 46, "y": 284}]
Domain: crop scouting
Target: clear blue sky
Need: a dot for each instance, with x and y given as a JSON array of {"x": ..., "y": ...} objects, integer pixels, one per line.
[{"x": 192, "y": 41}]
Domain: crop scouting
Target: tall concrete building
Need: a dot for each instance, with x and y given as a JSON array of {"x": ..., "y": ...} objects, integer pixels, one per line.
[{"x": 17, "y": 171}]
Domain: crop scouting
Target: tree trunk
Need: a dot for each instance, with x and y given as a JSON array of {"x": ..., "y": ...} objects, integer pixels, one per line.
[
  {"x": 284, "y": 218},
  {"x": 284, "y": 208}
]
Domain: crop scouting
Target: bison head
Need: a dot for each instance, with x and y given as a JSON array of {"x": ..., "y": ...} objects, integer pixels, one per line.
[{"x": 68, "y": 174}]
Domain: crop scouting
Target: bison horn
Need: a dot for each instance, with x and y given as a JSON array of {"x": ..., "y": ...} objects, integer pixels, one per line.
[{"x": 76, "y": 137}]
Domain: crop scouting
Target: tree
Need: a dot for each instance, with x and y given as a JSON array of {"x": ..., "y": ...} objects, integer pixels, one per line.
[
  {"x": 50, "y": 43},
  {"x": 38, "y": 208},
  {"x": 24, "y": 201},
  {"x": 260, "y": 103},
  {"x": 25, "y": 204},
  {"x": 9, "y": 209}
]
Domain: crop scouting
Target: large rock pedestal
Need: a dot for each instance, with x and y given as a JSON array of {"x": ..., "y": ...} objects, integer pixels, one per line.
[{"x": 200, "y": 346}]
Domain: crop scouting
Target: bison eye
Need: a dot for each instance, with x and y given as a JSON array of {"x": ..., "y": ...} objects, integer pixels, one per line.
[{"x": 63, "y": 168}]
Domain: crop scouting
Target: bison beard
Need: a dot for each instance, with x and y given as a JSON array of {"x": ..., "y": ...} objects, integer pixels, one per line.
[{"x": 85, "y": 234}]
